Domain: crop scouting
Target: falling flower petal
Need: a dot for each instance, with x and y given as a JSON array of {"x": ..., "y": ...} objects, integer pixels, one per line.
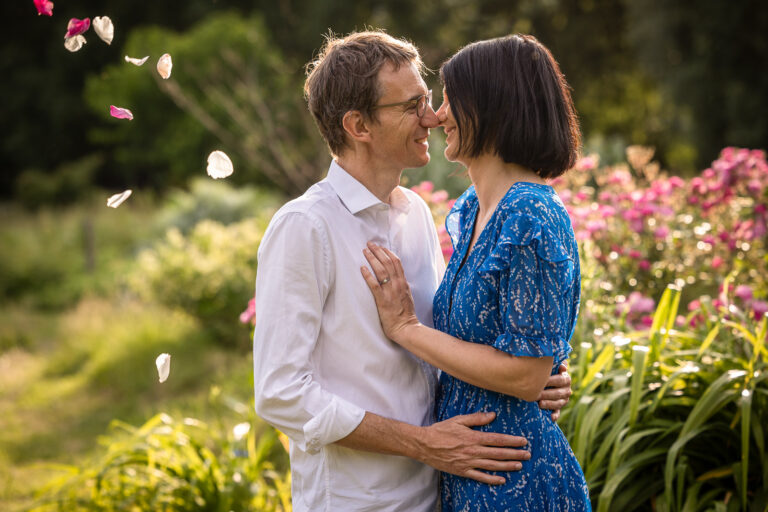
[
  {"x": 164, "y": 66},
  {"x": 74, "y": 43},
  {"x": 77, "y": 27},
  {"x": 44, "y": 7},
  {"x": 104, "y": 28},
  {"x": 219, "y": 165},
  {"x": 137, "y": 62},
  {"x": 117, "y": 199},
  {"x": 241, "y": 430},
  {"x": 120, "y": 113},
  {"x": 163, "y": 363}
]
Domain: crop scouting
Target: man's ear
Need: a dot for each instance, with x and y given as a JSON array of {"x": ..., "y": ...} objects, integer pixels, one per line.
[{"x": 356, "y": 126}]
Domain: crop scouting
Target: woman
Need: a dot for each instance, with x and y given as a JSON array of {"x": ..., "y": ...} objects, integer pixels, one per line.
[{"x": 508, "y": 303}]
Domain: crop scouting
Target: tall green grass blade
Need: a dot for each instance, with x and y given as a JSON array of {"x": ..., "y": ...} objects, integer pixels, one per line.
[
  {"x": 603, "y": 361},
  {"x": 639, "y": 360},
  {"x": 708, "y": 341},
  {"x": 714, "y": 397},
  {"x": 624, "y": 473},
  {"x": 746, "y": 412},
  {"x": 660, "y": 315},
  {"x": 743, "y": 330}
]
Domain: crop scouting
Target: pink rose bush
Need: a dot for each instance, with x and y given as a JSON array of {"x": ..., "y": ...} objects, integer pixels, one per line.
[{"x": 645, "y": 228}]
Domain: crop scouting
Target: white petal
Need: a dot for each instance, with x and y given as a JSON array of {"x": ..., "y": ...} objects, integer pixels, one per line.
[
  {"x": 74, "y": 43},
  {"x": 104, "y": 28},
  {"x": 117, "y": 199},
  {"x": 241, "y": 430},
  {"x": 137, "y": 62},
  {"x": 163, "y": 363},
  {"x": 219, "y": 165},
  {"x": 164, "y": 66}
]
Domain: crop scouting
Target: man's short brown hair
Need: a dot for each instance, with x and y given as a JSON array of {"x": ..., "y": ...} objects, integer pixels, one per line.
[{"x": 344, "y": 78}]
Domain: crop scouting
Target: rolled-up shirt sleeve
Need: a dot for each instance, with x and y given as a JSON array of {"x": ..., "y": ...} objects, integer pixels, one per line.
[{"x": 293, "y": 280}]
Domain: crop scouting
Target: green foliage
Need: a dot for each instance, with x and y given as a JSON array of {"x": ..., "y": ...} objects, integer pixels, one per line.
[
  {"x": 68, "y": 184},
  {"x": 230, "y": 89},
  {"x": 216, "y": 201},
  {"x": 209, "y": 274},
  {"x": 687, "y": 404},
  {"x": 54, "y": 256},
  {"x": 179, "y": 465}
]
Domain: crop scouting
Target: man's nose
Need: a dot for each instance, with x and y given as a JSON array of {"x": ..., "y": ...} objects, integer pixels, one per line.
[{"x": 429, "y": 119}]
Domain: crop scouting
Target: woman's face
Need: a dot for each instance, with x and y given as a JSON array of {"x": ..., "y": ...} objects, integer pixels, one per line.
[{"x": 448, "y": 123}]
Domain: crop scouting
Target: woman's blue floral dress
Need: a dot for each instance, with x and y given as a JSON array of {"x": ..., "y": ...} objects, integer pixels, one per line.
[{"x": 518, "y": 290}]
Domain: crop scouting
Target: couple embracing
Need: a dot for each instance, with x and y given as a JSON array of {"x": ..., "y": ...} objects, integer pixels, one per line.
[{"x": 403, "y": 384}]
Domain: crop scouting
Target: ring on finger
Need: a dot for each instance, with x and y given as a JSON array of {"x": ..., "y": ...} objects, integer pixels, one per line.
[{"x": 384, "y": 281}]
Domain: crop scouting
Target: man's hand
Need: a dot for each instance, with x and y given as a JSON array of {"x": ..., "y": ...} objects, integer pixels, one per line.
[
  {"x": 454, "y": 447},
  {"x": 557, "y": 392}
]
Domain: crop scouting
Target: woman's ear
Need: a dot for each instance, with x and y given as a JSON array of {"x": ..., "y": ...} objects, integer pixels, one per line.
[{"x": 356, "y": 126}]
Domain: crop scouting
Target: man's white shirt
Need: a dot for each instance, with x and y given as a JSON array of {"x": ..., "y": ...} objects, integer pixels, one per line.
[{"x": 320, "y": 356}]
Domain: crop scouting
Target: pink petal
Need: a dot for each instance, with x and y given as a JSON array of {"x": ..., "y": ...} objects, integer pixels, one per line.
[
  {"x": 77, "y": 27},
  {"x": 44, "y": 7},
  {"x": 120, "y": 113},
  {"x": 164, "y": 66}
]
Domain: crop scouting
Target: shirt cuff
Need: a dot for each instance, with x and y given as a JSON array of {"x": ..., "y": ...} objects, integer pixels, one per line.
[{"x": 336, "y": 421}]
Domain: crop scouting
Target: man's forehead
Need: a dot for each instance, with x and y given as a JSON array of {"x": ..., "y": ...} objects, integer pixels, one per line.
[{"x": 404, "y": 80}]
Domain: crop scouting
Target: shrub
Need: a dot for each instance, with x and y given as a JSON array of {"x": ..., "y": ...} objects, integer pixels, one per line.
[
  {"x": 673, "y": 419},
  {"x": 180, "y": 465},
  {"x": 216, "y": 201},
  {"x": 209, "y": 274}
]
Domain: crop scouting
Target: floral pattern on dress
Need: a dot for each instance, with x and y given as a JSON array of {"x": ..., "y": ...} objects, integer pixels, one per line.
[{"x": 518, "y": 290}]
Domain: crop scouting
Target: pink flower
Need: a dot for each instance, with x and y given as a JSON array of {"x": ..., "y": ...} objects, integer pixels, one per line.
[
  {"x": 743, "y": 292},
  {"x": 77, "y": 27},
  {"x": 120, "y": 113},
  {"x": 439, "y": 196},
  {"x": 644, "y": 264},
  {"x": 249, "y": 315},
  {"x": 44, "y": 7},
  {"x": 637, "y": 304},
  {"x": 646, "y": 321},
  {"x": 717, "y": 262},
  {"x": 635, "y": 254},
  {"x": 586, "y": 163},
  {"x": 661, "y": 232},
  {"x": 759, "y": 308}
]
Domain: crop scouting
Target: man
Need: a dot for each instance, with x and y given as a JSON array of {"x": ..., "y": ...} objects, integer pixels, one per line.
[{"x": 357, "y": 407}]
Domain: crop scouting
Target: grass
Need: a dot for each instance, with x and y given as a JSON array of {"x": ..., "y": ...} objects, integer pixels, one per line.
[
  {"x": 94, "y": 365},
  {"x": 77, "y": 350}
]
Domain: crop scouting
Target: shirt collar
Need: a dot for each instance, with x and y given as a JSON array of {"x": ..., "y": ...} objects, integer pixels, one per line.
[{"x": 356, "y": 197}]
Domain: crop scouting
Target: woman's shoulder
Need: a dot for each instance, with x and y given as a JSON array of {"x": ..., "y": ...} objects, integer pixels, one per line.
[{"x": 531, "y": 198}]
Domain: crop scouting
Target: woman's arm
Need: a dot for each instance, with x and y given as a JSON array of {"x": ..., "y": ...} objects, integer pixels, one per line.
[{"x": 480, "y": 365}]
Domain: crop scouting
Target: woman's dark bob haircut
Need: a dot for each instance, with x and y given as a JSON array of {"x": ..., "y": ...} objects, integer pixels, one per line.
[{"x": 510, "y": 99}]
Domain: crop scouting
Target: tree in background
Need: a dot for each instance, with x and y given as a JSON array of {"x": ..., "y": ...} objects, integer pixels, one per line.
[
  {"x": 230, "y": 89},
  {"x": 684, "y": 77}
]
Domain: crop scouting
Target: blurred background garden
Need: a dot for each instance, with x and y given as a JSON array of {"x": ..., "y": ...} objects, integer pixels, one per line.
[{"x": 669, "y": 202}]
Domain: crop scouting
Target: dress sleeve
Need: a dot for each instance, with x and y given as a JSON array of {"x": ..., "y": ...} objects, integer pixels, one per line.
[
  {"x": 292, "y": 282},
  {"x": 536, "y": 277},
  {"x": 456, "y": 218}
]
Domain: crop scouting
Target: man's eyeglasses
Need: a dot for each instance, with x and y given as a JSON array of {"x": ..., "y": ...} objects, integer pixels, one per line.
[{"x": 420, "y": 104}]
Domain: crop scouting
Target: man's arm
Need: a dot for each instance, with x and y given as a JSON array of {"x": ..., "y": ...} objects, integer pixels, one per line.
[
  {"x": 451, "y": 445},
  {"x": 292, "y": 282}
]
